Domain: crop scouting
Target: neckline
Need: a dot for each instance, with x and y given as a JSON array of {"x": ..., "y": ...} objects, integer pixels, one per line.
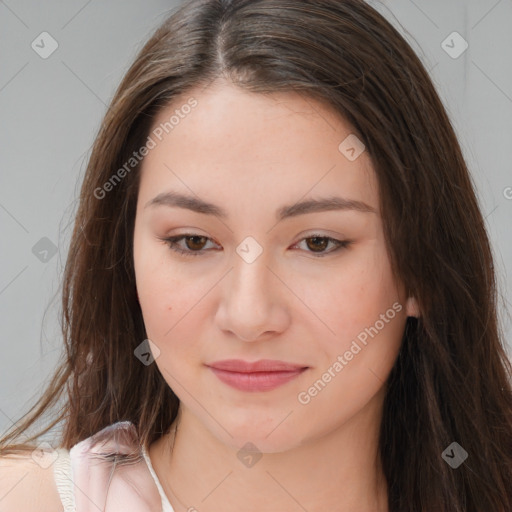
[{"x": 166, "y": 505}]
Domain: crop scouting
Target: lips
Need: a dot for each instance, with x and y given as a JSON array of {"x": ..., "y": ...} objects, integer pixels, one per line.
[
  {"x": 263, "y": 365},
  {"x": 262, "y": 375}
]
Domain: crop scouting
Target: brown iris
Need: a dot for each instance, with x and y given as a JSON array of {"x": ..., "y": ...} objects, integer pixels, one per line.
[
  {"x": 321, "y": 247},
  {"x": 195, "y": 243}
]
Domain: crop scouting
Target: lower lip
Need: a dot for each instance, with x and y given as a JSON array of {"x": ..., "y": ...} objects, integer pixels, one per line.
[{"x": 256, "y": 381}]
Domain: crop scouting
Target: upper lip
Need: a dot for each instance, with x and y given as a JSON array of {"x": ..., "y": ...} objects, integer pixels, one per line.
[{"x": 263, "y": 365}]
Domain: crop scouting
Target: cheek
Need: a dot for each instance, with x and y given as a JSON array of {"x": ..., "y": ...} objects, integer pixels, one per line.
[
  {"x": 171, "y": 308},
  {"x": 364, "y": 311},
  {"x": 154, "y": 288},
  {"x": 371, "y": 326},
  {"x": 355, "y": 295},
  {"x": 161, "y": 305}
]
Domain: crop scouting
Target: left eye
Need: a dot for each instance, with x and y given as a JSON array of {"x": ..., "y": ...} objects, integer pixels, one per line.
[
  {"x": 319, "y": 243},
  {"x": 194, "y": 244}
]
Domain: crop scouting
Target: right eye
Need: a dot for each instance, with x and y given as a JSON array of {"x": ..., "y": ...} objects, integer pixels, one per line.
[{"x": 193, "y": 244}]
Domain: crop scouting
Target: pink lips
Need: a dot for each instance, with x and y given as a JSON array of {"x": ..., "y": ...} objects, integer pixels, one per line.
[{"x": 262, "y": 375}]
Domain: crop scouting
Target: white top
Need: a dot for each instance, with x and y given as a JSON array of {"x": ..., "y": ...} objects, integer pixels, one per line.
[
  {"x": 64, "y": 479},
  {"x": 166, "y": 506}
]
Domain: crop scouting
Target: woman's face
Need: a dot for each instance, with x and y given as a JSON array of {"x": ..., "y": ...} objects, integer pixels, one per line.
[{"x": 263, "y": 276}]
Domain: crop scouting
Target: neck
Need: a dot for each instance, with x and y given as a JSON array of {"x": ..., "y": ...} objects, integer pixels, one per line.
[{"x": 340, "y": 470}]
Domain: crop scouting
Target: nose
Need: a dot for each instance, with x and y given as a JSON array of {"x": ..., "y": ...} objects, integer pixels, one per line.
[{"x": 253, "y": 301}]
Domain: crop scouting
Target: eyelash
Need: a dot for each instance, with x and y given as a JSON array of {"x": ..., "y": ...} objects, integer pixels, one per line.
[{"x": 172, "y": 243}]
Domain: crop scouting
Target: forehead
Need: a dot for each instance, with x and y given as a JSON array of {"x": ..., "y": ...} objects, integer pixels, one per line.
[{"x": 280, "y": 146}]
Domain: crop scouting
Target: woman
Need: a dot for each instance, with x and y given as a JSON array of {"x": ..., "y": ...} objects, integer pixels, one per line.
[{"x": 279, "y": 293}]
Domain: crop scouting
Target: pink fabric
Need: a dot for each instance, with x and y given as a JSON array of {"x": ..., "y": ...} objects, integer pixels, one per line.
[{"x": 102, "y": 484}]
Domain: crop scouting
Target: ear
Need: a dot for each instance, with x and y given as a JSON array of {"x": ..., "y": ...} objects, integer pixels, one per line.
[{"x": 411, "y": 307}]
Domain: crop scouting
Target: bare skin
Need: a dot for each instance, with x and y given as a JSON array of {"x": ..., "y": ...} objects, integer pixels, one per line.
[{"x": 252, "y": 154}]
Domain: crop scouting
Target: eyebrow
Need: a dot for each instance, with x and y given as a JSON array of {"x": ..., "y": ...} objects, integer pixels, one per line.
[{"x": 175, "y": 199}]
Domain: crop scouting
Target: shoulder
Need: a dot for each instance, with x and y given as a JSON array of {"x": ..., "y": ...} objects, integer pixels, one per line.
[{"x": 27, "y": 483}]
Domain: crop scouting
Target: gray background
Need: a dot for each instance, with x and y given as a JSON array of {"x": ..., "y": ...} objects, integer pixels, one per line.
[{"x": 51, "y": 110}]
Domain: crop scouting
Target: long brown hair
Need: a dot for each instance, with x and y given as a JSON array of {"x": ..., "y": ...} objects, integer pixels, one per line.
[{"x": 452, "y": 378}]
